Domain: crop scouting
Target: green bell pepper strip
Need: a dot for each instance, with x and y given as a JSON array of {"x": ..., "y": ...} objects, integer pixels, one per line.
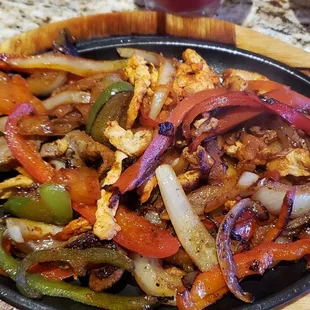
[
  {"x": 78, "y": 259},
  {"x": 113, "y": 110},
  {"x": 15, "y": 204},
  {"x": 59, "y": 202},
  {"x": 76, "y": 293},
  {"x": 53, "y": 207},
  {"x": 103, "y": 98}
]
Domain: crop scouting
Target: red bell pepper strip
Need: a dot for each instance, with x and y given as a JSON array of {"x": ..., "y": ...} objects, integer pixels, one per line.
[
  {"x": 189, "y": 109},
  {"x": 177, "y": 115},
  {"x": 87, "y": 211},
  {"x": 231, "y": 99},
  {"x": 137, "y": 173},
  {"x": 285, "y": 213},
  {"x": 233, "y": 118},
  {"x": 23, "y": 150},
  {"x": 82, "y": 183},
  {"x": 249, "y": 100},
  {"x": 270, "y": 89},
  {"x": 185, "y": 301},
  {"x": 237, "y": 98},
  {"x": 292, "y": 116},
  {"x": 146, "y": 121},
  {"x": 255, "y": 261},
  {"x": 139, "y": 235},
  {"x": 52, "y": 272},
  {"x": 291, "y": 98}
]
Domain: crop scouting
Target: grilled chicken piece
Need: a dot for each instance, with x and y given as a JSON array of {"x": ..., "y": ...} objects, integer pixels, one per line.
[
  {"x": 74, "y": 228},
  {"x": 296, "y": 162},
  {"x": 132, "y": 144},
  {"x": 189, "y": 179},
  {"x": 235, "y": 79},
  {"x": 251, "y": 151},
  {"x": 145, "y": 190},
  {"x": 193, "y": 75},
  {"x": 195, "y": 158},
  {"x": 80, "y": 148},
  {"x": 105, "y": 227},
  {"x": 138, "y": 74},
  {"x": 116, "y": 169},
  {"x": 246, "y": 75}
]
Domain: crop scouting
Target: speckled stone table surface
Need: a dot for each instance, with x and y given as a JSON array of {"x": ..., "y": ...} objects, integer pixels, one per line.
[{"x": 288, "y": 20}]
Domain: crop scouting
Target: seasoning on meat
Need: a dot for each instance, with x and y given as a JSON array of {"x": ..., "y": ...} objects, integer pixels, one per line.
[{"x": 127, "y": 141}]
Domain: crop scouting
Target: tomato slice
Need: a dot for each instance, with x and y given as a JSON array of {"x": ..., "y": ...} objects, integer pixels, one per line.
[{"x": 139, "y": 235}]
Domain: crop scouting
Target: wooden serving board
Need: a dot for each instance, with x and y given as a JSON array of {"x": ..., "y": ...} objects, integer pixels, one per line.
[
  {"x": 151, "y": 23},
  {"x": 148, "y": 23}
]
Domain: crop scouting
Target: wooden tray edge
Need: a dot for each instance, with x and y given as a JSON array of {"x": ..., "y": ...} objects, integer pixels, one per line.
[{"x": 151, "y": 23}]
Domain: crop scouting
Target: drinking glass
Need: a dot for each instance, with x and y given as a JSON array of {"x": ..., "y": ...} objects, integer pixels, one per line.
[{"x": 184, "y": 7}]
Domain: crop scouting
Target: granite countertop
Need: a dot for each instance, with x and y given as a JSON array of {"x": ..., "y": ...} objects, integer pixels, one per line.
[{"x": 288, "y": 20}]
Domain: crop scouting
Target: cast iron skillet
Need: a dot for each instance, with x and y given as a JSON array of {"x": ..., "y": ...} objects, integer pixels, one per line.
[{"x": 279, "y": 285}]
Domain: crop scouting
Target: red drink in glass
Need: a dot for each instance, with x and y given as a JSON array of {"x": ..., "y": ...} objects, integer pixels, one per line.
[{"x": 196, "y": 7}]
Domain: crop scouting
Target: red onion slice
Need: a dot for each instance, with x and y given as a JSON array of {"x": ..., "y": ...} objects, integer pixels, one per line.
[{"x": 224, "y": 253}]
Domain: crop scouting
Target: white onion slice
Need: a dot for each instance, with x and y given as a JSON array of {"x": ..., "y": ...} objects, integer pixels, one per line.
[
  {"x": 271, "y": 195},
  {"x": 44, "y": 83},
  {"x": 247, "y": 179},
  {"x": 165, "y": 77},
  {"x": 194, "y": 237},
  {"x": 166, "y": 73},
  {"x": 153, "y": 279},
  {"x": 158, "y": 101},
  {"x": 76, "y": 65},
  {"x": 150, "y": 57},
  {"x": 21, "y": 230},
  {"x": 66, "y": 97}
]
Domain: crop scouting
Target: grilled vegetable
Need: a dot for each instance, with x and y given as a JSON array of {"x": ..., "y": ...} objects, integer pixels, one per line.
[
  {"x": 194, "y": 237},
  {"x": 54, "y": 205},
  {"x": 84, "y": 295},
  {"x": 109, "y": 106},
  {"x": 23, "y": 150},
  {"x": 78, "y": 259},
  {"x": 139, "y": 235}
]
